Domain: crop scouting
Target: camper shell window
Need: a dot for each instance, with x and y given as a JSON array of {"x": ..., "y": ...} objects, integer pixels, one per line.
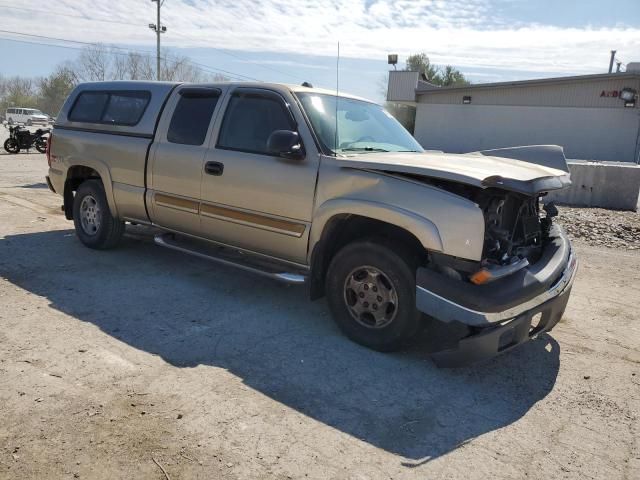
[{"x": 110, "y": 108}]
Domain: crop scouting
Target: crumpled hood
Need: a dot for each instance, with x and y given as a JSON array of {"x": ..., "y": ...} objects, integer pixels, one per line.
[{"x": 479, "y": 168}]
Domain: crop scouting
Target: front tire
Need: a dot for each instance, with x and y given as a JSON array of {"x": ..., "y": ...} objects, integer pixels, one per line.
[
  {"x": 370, "y": 287},
  {"x": 95, "y": 225},
  {"x": 41, "y": 145},
  {"x": 11, "y": 145}
]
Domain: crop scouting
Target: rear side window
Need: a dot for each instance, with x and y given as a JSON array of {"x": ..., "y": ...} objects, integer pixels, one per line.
[
  {"x": 249, "y": 121},
  {"x": 125, "y": 108},
  {"x": 192, "y": 116},
  {"x": 113, "y": 108},
  {"x": 88, "y": 107}
]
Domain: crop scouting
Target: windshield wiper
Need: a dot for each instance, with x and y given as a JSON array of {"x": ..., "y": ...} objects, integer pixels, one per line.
[{"x": 363, "y": 149}]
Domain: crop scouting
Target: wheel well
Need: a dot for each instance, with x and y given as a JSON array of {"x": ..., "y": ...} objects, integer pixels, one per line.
[
  {"x": 341, "y": 230},
  {"x": 75, "y": 176}
]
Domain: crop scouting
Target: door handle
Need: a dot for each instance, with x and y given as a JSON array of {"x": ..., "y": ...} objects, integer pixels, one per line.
[{"x": 214, "y": 168}]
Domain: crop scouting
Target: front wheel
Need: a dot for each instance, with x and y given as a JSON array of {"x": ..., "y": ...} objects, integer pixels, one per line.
[
  {"x": 95, "y": 225},
  {"x": 370, "y": 288},
  {"x": 11, "y": 145},
  {"x": 41, "y": 145}
]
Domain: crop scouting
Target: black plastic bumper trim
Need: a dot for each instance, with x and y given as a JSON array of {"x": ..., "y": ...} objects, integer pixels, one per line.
[
  {"x": 492, "y": 341},
  {"x": 505, "y": 293},
  {"x": 49, "y": 184}
]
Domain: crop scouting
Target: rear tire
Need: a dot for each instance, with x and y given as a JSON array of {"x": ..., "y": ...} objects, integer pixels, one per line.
[
  {"x": 29, "y": 123},
  {"x": 371, "y": 287},
  {"x": 95, "y": 225}
]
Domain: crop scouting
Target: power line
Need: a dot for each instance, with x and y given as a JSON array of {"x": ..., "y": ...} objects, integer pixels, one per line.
[
  {"x": 124, "y": 51},
  {"x": 60, "y": 39},
  {"x": 224, "y": 52},
  {"x": 187, "y": 37},
  {"x": 205, "y": 69}
]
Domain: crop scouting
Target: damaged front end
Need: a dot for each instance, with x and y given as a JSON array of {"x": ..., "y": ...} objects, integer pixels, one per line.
[
  {"x": 519, "y": 284},
  {"x": 515, "y": 233},
  {"x": 518, "y": 290}
]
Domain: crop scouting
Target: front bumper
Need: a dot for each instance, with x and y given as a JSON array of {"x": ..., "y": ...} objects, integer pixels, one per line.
[
  {"x": 501, "y": 312},
  {"x": 49, "y": 184}
]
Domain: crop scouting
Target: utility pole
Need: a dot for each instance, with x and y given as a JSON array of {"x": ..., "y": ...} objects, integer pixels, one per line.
[
  {"x": 613, "y": 52},
  {"x": 158, "y": 28}
]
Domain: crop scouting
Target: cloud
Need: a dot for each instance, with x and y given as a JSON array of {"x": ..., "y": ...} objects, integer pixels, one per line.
[
  {"x": 467, "y": 34},
  {"x": 286, "y": 63}
]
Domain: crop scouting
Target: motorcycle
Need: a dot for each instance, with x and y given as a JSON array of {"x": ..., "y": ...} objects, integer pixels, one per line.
[{"x": 22, "y": 139}]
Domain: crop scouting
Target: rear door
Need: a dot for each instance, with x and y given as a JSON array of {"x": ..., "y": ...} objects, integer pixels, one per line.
[
  {"x": 251, "y": 199},
  {"x": 177, "y": 158}
]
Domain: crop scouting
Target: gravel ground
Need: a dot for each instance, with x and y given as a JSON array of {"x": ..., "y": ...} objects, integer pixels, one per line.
[
  {"x": 599, "y": 227},
  {"x": 120, "y": 364}
]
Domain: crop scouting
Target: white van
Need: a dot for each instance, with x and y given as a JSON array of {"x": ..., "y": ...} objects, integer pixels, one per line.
[{"x": 28, "y": 116}]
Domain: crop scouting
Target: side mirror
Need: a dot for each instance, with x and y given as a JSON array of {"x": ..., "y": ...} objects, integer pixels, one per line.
[{"x": 285, "y": 144}]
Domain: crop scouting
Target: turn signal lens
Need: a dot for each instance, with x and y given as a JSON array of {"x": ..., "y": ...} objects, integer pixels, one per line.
[{"x": 481, "y": 276}]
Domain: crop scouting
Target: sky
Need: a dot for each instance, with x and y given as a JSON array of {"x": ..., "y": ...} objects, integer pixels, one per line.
[{"x": 297, "y": 40}]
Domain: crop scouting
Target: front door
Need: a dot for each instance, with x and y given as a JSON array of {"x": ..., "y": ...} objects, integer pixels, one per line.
[
  {"x": 175, "y": 172},
  {"x": 251, "y": 199}
]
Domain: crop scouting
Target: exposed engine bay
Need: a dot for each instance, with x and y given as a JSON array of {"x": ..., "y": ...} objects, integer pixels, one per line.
[{"x": 514, "y": 226}]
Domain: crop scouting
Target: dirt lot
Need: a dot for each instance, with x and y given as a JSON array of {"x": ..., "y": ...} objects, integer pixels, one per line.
[{"x": 120, "y": 364}]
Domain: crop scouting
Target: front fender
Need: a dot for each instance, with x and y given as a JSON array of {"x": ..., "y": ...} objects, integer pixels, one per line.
[{"x": 422, "y": 228}]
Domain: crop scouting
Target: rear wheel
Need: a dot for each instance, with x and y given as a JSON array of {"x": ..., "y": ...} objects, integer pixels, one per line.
[
  {"x": 370, "y": 288},
  {"x": 95, "y": 225},
  {"x": 29, "y": 123},
  {"x": 11, "y": 145}
]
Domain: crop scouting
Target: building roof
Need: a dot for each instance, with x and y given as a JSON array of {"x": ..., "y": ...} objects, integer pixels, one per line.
[{"x": 420, "y": 90}]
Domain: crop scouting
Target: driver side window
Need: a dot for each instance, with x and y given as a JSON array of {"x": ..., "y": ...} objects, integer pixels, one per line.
[{"x": 250, "y": 119}]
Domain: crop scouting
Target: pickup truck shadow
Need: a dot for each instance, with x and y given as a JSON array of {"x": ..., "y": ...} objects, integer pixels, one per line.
[{"x": 279, "y": 343}]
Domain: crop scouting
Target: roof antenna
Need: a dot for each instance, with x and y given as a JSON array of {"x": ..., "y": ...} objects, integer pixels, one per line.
[{"x": 337, "y": 96}]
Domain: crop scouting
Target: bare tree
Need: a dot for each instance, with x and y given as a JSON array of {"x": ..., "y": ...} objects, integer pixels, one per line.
[
  {"x": 120, "y": 67},
  {"x": 99, "y": 63},
  {"x": 183, "y": 70},
  {"x": 94, "y": 64},
  {"x": 139, "y": 67}
]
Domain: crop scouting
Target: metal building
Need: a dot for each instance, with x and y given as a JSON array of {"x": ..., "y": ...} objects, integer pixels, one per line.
[{"x": 594, "y": 117}]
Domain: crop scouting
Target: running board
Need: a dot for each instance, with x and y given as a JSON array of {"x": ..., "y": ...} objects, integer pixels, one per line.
[{"x": 230, "y": 258}]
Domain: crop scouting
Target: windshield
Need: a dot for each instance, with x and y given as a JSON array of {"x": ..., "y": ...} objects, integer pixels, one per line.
[
  {"x": 33, "y": 112},
  {"x": 363, "y": 127}
]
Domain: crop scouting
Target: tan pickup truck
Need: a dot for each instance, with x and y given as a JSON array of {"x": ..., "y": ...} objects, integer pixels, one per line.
[{"x": 304, "y": 186}]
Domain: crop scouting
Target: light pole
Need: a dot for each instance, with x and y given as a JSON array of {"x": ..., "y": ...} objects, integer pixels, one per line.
[
  {"x": 158, "y": 28},
  {"x": 613, "y": 56}
]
